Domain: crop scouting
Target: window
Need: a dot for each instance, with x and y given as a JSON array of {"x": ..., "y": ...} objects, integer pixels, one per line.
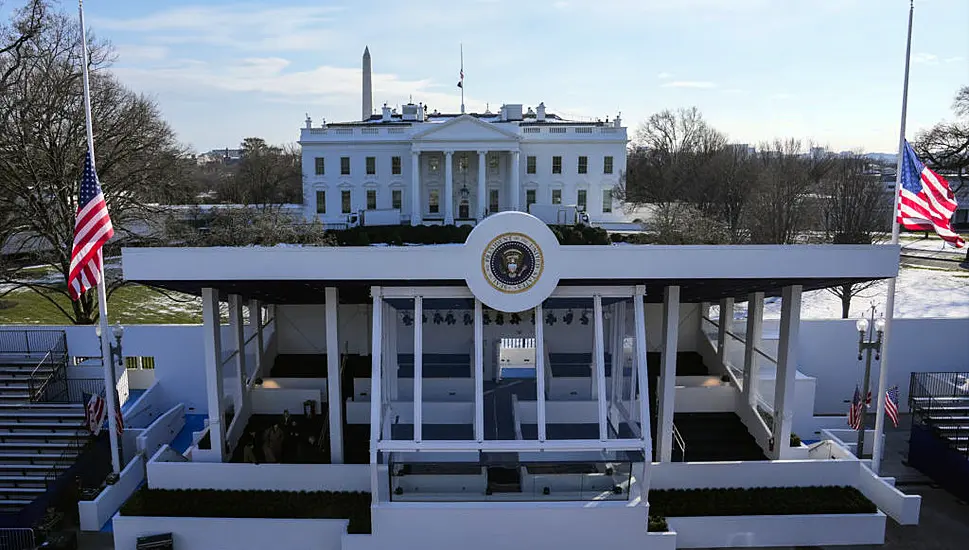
[
  {"x": 371, "y": 166},
  {"x": 395, "y": 199},
  {"x": 434, "y": 165},
  {"x": 556, "y": 165},
  {"x": 345, "y": 201},
  {"x": 580, "y": 199},
  {"x": 607, "y": 165},
  {"x": 583, "y": 165},
  {"x": 606, "y": 201},
  {"x": 433, "y": 202},
  {"x": 320, "y": 167},
  {"x": 529, "y": 197},
  {"x": 493, "y": 164},
  {"x": 492, "y": 200},
  {"x": 530, "y": 164},
  {"x": 371, "y": 199},
  {"x": 463, "y": 164},
  {"x": 395, "y": 166},
  {"x": 321, "y": 202},
  {"x": 556, "y": 196},
  {"x": 344, "y": 166}
]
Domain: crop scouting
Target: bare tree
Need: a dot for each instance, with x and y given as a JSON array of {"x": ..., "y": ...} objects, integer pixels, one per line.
[
  {"x": 27, "y": 22},
  {"x": 42, "y": 149},
  {"x": 267, "y": 176},
  {"x": 779, "y": 201},
  {"x": 855, "y": 209}
]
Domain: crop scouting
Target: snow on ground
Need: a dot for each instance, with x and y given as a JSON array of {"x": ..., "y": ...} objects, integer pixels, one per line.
[{"x": 919, "y": 292}]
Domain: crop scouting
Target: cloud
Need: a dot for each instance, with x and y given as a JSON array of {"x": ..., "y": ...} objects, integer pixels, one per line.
[
  {"x": 926, "y": 58},
  {"x": 129, "y": 53},
  {"x": 735, "y": 91},
  {"x": 664, "y": 75},
  {"x": 269, "y": 29},
  {"x": 698, "y": 84},
  {"x": 782, "y": 96},
  {"x": 955, "y": 59}
]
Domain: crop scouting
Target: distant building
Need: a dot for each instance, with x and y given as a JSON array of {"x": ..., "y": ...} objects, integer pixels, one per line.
[{"x": 222, "y": 156}]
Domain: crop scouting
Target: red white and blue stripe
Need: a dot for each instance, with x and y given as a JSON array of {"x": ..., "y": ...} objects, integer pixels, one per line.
[
  {"x": 891, "y": 405},
  {"x": 92, "y": 229},
  {"x": 925, "y": 200},
  {"x": 854, "y": 412}
]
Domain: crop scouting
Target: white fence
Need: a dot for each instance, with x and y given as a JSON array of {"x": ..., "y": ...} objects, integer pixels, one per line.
[
  {"x": 162, "y": 431},
  {"x": 234, "y": 533},
  {"x": 95, "y": 513}
]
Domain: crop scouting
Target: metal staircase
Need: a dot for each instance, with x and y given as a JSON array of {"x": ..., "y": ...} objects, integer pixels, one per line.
[{"x": 939, "y": 439}]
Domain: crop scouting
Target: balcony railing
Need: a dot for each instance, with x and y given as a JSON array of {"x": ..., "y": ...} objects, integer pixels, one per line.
[{"x": 563, "y": 129}]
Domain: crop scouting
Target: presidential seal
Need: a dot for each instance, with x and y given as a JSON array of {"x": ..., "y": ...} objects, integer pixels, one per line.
[{"x": 512, "y": 263}]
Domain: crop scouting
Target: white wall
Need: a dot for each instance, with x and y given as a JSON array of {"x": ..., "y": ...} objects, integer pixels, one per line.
[
  {"x": 301, "y": 329},
  {"x": 828, "y": 350},
  {"x": 95, "y": 513},
  {"x": 784, "y": 473},
  {"x": 276, "y": 400},
  {"x": 259, "y": 477},
  {"x": 234, "y": 533},
  {"x": 778, "y": 531},
  {"x": 161, "y": 431}
]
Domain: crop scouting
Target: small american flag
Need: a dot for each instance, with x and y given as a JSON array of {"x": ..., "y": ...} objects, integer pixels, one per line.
[
  {"x": 891, "y": 405},
  {"x": 461, "y": 81},
  {"x": 854, "y": 412},
  {"x": 94, "y": 413},
  {"x": 91, "y": 230},
  {"x": 925, "y": 200}
]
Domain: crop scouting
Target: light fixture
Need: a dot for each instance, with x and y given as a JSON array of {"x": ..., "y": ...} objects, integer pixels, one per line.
[
  {"x": 468, "y": 319},
  {"x": 550, "y": 319},
  {"x": 438, "y": 318},
  {"x": 464, "y": 192},
  {"x": 449, "y": 318},
  {"x": 880, "y": 325},
  {"x": 407, "y": 319},
  {"x": 118, "y": 330},
  {"x": 568, "y": 317},
  {"x": 486, "y": 318},
  {"x": 585, "y": 318},
  {"x": 515, "y": 319},
  {"x": 862, "y": 325},
  {"x": 97, "y": 330},
  {"x": 500, "y": 319}
]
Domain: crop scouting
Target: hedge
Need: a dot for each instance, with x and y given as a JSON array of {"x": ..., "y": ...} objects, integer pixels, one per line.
[
  {"x": 354, "y": 506},
  {"x": 400, "y": 235},
  {"x": 657, "y": 524},
  {"x": 759, "y": 501}
]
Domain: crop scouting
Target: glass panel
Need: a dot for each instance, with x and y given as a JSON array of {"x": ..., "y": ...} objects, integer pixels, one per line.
[
  {"x": 620, "y": 342},
  {"x": 607, "y": 165},
  {"x": 583, "y": 165},
  {"x": 580, "y": 199},
  {"x": 434, "y": 201},
  {"x": 556, "y": 196},
  {"x": 401, "y": 361},
  {"x": 371, "y": 166},
  {"x": 509, "y": 371},
  {"x": 395, "y": 165},
  {"x": 530, "y": 165},
  {"x": 371, "y": 199},
  {"x": 529, "y": 198},
  {"x": 320, "y": 166},
  {"x": 321, "y": 202},
  {"x": 345, "y": 202},
  {"x": 556, "y": 165},
  {"x": 345, "y": 166},
  {"x": 493, "y": 200},
  {"x": 607, "y": 200},
  {"x": 395, "y": 198},
  {"x": 448, "y": 387},
  {"x": 570, "y": 375}
]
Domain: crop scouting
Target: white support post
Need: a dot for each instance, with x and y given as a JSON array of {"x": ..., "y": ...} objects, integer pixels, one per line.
[
  {"x": 786, "y": 368},
  {"x": 755, "y": 330},
  {"x": 448, "y": 187},
  {"x": 478, "y": 372},
  {"x": 334, "y": 394},
  {"x": 418, "y": 368},
  {"x": 600, "y": 365},
  {"x": 540, "y": 371},
  {"x": 211, "y": 321},
  {"x": 376, "y": 408},
  {"x": 482, "y": 202},
  {"x": 724, "y": 325},
  {"x": 640, "y": 312},
  {"x": 515, "y": 201},
  {"x": 239, "y": 342},
  {"x": 255, "y": 325},
  {"x": 667, "y": 379}
]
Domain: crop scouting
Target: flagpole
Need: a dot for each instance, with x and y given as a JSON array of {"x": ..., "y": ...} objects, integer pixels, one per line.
[
  {"x": 107, "y": 361},
  {"x": 877, "y": 449},
  {"x": 462, "y": 79}
]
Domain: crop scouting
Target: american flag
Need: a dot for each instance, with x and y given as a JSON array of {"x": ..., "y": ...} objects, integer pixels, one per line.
[
  {"x": 91, "y": 230},
  {"x": 854, "y": 412},
  {"x": 94, "y": 413},
  {"x": 461, "y": 81},
  {"x": 925, "y": 200},
  {"x": 891, "y": 405}
]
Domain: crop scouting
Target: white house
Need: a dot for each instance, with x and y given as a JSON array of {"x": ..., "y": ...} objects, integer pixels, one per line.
[{"x": 458, "y": 168}]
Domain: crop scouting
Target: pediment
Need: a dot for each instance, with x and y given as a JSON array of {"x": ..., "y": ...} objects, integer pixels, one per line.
[{"x": 465, "y": 128}]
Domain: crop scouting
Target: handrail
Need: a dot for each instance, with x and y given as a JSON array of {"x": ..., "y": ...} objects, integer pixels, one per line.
[
  {"x": 678, "y": 438},
  {"x": 741, "y": 340}
]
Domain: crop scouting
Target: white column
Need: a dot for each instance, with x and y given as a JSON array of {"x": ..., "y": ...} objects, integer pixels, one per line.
[
  {"x": 515, "y": 201},
  {"x": 540, "y": 371},
  {"x": 724, "y": 323},
  {"x": 640, "y": 312},
  {"x": 482, "y": 188},
  {"x": 376, "y": 408},
  {"x": 448, "y": 188},
  {"x": 239, "y": 342},
  {"x": 255, "y": 326},
  {"x": 211, "y": 321},
  {"x": 600, "y": 365},
  {"x": 418, "y": 368},
  {"x": 334, "y": 393},
  {"x": 786, "y": 367},
  {"x": 667, "y": 379},
  {"x": 755, "y": 329},
  {"x": 478, "y": 372},
  {"x": 415, "y": 188}
]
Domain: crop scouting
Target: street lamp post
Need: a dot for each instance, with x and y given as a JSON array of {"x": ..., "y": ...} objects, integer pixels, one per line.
[{"x": 865, "y": 349}]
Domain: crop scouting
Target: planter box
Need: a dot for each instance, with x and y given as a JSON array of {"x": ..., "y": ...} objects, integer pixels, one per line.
[
  {"x": 661, "y": 541},
  {"x": 232, "y": 533},
  {"x": 801, "y": 530}
]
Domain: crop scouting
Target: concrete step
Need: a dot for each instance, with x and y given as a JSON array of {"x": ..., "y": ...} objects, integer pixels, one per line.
[
  {"x": 22, "y": 480},
  {"x": 27, "y": 458},
  {"x": 36, "y": 469},
  {"x": 19, "y": 492},
  {"x": 26, "y": 435},
  {"x": 29, "y": 418},
  {"x": 37, "y": 426},
  {"x": 8, "y": 446}
]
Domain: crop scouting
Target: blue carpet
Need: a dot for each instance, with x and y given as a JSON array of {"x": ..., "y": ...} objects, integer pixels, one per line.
[
  {"x": 133, "y": 397},
  {"x": 193, "y": 423}
]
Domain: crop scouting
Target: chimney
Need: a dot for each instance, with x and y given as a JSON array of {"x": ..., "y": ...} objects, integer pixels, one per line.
[
  {"x": 309, "y": 121},
  {"x": 618, "y": 120},
  {"x": 367, "y": 85},
  {"x": 385, "y": 113},
  {"x": 540, "y": 112}
]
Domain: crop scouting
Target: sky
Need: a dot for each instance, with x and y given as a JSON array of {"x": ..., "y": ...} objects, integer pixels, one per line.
[{"x": 823, "y": 70}]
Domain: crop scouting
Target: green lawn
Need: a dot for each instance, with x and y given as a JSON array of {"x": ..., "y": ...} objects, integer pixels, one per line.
[{"x": 134, "y": 304}]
